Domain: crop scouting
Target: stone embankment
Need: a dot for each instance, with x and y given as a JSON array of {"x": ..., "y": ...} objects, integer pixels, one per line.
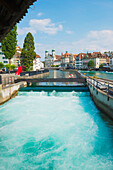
[
  {"x": 10, "y": 91},
  {"x": 8, "y": 87},
  {"x": 101, "y": 91},
  {"x": 102, "y": 99}
]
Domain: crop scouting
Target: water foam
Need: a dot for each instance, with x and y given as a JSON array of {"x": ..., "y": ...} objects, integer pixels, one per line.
[{"x": 54, "y": 131}]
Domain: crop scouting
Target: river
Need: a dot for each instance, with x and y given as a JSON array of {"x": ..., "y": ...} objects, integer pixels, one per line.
[
  {"x": 54, "y": 131},
  {"x": 101, "y": 74}
]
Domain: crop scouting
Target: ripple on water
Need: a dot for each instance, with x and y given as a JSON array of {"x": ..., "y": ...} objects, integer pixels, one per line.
[{"x": 54, "y": 131}]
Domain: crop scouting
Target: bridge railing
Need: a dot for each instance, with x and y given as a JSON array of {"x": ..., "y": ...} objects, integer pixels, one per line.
[
  {"x": 32, "y": 73},
  {"x": 105, "y": 85},
  {"x": 7, "y": 80}
]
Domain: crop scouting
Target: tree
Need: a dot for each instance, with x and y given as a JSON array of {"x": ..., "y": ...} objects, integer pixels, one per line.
[
  {"x": 13, "y": 66},
  {"x": 8, "y": 66},
  {"x": 1, "y": 65},
  {"x": 9, "y": 44},
  {"x": 91, "y": 63},
  {"x": 101, "y": 65},
  {"x": 28, "y": 54}
]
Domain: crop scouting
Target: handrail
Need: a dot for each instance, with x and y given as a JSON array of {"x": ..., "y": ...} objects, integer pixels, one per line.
[
  {"x": 7, "y": 80},
  {"x": 107, "y": 86}
]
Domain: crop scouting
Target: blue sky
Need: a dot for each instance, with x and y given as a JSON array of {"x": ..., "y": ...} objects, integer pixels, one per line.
[{"x": 76, "y": 26}]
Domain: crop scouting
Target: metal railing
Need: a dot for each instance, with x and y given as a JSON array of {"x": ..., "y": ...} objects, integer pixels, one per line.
[
  {"x": 7, "y": 80},
  {"x": 104, "y": 85},
  {"x": 32, "y": 73}
]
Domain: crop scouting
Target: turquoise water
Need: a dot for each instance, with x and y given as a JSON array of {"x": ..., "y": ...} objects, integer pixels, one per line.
[
  {"x": 54, "y": 131},
  {"x": 101, "y": 74},
  {"x": 58, "y": 74}
]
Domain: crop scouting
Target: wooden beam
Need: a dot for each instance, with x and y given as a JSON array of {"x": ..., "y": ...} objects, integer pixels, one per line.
[
  {"x": 3, "y": 23},
  {"x": 9, "y": 5}
]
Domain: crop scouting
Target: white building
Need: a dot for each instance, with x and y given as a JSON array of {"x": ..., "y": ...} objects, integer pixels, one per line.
[
  {"x": 78, "y": 63},
  {"x": 3, "y": 59},
  {"x": 97, "y": 62},
  {"x": 79, "y": 60},
  {"x": 111, "y": 62},
  {"x": 52, "y": 59},
  {"x": 65, "y": 59},
  {"x": 16, "y": 58},
  {"x": 37, "y": 64}
]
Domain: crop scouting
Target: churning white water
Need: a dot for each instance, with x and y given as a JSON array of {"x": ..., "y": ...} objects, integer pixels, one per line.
[{"x": 54, "y": 131}]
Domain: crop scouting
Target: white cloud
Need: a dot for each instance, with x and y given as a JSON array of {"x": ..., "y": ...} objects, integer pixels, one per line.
[
  {"x": 43, "y": 25},
  {"x": 25, "y": 30},
  {"x": 94, "y": 41},
  {"x": 97, "y": 41},
  {"x": 69, "y": 32},
  {"x": 39, "y": 14}
]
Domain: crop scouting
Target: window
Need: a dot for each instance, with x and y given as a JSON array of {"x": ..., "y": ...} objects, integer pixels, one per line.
[{"x": 5, "y": 61}]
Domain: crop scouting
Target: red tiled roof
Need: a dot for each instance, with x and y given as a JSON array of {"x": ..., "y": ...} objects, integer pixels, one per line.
[
  {"x": 75, "y": 55},
  {"x": 96, "y": 52},
  {"x": 58, "y": 60},
  {"x": 37, "y": 56},
  {"x": 17, "y": 46},
  {"x": 81, "y": 55},
  {"x": 66, "y": 54},
  {"x": 58, "y": 57}
]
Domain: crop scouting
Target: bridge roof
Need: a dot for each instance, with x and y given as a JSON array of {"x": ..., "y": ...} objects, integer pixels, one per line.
[{"x": 11, "y": 12}]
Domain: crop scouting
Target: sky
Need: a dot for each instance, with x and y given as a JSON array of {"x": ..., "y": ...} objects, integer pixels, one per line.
[{"x": 69, "y": 25}]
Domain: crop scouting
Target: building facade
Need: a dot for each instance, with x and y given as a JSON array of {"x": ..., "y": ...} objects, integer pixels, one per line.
[
  {"x": 79, "y": 60},
  {"x": 3, "y": 59},
  {"x": 52, "y": 59},
  {"x": 65, "y": 60},
  {"x": 16, "y": 58},
  {"x": 37, "y": 64},
  {"x": 71, "y": 61}
]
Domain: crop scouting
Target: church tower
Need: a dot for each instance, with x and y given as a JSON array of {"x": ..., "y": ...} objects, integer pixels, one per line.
[
  {"x": 46, "y": 58},
  {"x": 53, "y": 56}
]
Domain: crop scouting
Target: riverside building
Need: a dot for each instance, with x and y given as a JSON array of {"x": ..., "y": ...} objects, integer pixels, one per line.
[
  {"x": 81, "y": 61},
  {"x": 3, "y": 59},
  {"x": 68, "y": 60},
  {"x": 52, "y": 59},
  {"x": 111, "y": 59},
  {"x": 16, "y": 58},
  {"x": 37, "y": 64}
]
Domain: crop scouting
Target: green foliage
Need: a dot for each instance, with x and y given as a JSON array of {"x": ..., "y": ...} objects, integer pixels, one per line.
[
  {"x": 101, "y": 65},
  {"x": 1, "y": 65},
  {"x": 91, "y": 64},
  {"x": 27, "y": 69},
  {"x": 9, "y": 44},
  {"x": 8, "y": 66},
  {"x": 28, "y": 53},
  {"x": 13, "y": 66},
  {"x": 54, "y": 65}
]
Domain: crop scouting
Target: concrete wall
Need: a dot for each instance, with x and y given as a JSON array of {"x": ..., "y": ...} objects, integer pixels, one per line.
[
  {"x": 10, "y": 91},
  {"x": 102, "y": 101}
]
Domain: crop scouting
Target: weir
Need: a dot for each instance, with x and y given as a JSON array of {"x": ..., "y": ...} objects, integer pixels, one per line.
[{"x": 57, "y": 84}]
